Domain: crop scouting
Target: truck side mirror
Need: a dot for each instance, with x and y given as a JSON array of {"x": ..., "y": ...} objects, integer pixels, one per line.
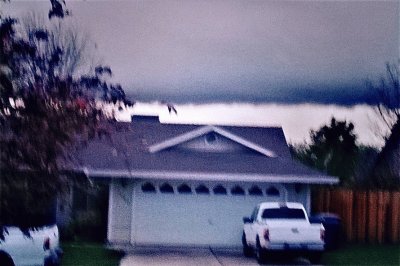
[{"x": 247, "y": 220}]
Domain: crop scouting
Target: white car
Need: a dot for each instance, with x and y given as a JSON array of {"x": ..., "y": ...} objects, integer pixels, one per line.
[
  {"x": 282, "y": 227},
  {"x": 40, "y": 247}
]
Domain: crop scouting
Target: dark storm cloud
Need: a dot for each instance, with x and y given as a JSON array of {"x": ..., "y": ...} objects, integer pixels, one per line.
[
  {"x": 263, "y": 51},
  {"x": 345, "y": 95}
]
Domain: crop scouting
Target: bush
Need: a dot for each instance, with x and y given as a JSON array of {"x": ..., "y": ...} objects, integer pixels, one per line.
[
  {"x": 89, "y": 215},
  {"x": 87, "y": 226}
]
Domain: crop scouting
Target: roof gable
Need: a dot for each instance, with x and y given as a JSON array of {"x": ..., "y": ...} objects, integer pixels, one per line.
[
  {"x": 202, "y": 132},
  {"x": 213, "y": 142}
]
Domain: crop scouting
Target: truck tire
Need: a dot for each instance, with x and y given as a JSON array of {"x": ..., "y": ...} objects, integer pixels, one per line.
[
  {"x": 247, "y": 251},
  {"x": 5, "y": 259},
  {"x": 261, "y": 254}
]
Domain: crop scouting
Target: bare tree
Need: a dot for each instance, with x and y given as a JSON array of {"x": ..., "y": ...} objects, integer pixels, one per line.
[
  {"x": 388, "y": 95},
  {"x": 387, "y": 172},
  {"x": 78, "y": 51}
]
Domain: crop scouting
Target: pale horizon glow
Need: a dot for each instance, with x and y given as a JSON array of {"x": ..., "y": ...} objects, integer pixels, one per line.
[{"x": 296, "y": 120}]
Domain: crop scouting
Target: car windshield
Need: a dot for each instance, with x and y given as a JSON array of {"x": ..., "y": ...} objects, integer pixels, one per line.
[{"x": 283, "y": 213}]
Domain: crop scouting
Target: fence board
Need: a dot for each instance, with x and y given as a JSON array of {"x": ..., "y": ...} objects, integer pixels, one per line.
[
  {"x": 347, "y": 207},
  {"x": 394, "y": 225},
  {"x": 387, "y": 217},
  {"x": 380, "y": 218},
  {"x": 360, "y": 218},
  {"x": 372, "y": 216}
]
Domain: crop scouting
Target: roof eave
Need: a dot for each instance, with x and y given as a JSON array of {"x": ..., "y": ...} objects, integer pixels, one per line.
[{"x": 211, "y": 176}]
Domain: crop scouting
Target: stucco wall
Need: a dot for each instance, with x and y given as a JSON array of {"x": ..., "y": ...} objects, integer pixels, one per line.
[{"x": 120, "y": 211}]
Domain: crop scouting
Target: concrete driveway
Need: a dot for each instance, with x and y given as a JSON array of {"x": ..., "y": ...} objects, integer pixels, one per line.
[{"x": 194, "y": 256}]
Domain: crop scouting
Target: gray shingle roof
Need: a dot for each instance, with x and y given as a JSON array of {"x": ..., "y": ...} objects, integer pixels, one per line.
[{"x": 127, "y": 151}]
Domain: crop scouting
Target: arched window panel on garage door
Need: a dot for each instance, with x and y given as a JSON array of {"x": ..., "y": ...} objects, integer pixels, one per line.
[
  {"x": 219, "y": 190},
  {"x": 148, "y": 188},
  {"x": 184, "y": 189},
  {"x": 273, "y": 192},
  {"x": 166, "y": 188},
  {"x": 202, "y": 189},
  {"x": 237, "y": 191},
  {"x": 255, "y": 191}
]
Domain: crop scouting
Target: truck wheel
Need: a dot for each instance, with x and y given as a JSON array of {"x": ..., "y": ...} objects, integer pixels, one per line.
[
  {"x": 260, "y": 253},
  {"x": 247, "y": 251},
  {"x": 5, "y": 259}
]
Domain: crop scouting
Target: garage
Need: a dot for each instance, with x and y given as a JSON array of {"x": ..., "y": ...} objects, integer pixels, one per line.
[{"x": 195, "y": 214}]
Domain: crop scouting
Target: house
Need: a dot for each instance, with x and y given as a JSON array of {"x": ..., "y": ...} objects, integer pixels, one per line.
[{"x": 190, "y": 185}]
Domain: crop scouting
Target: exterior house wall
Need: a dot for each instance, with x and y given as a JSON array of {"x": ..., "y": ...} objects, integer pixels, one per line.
[
  {"x": 120, "y": 211},
  {"x": 300, "y": 193}
]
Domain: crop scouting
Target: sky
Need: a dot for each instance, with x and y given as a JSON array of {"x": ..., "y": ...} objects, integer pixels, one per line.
[
  {"x": 230, "y": 51},
  {"x": 289, "y": 63}
]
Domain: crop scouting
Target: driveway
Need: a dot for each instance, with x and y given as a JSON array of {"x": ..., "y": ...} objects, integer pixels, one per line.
[{"x": 194, "y": 256}]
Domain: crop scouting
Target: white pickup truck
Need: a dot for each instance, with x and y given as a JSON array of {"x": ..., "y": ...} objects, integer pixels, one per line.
[
  {"x": 39, "y": 247},
  {"x": 281, "y": 227}
]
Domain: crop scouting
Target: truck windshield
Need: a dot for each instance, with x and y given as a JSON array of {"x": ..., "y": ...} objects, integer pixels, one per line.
[{"x": 283, "y": 213}]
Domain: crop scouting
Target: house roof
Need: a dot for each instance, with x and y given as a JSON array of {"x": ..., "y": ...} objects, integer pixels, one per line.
[{"x": 154, "y": 150}]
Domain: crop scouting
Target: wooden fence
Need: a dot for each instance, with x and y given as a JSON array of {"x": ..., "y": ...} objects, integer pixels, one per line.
[{"x": 367, "y": 216}]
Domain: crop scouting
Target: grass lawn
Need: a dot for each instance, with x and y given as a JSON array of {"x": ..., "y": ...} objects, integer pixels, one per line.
[
  {"x": 363, "y": 254},
  {"x": 87, "y": 253},
  {"x": 84, "y": 253}
]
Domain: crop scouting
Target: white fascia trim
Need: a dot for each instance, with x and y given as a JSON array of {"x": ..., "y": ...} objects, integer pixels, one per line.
[
  {"x": 110, "y": 224},
  {"x": 180, "y": 139},
  {"x": 172, "y": 175},
  {"x": 204, "y": 130},
  {"x": 244, "y": 142}
]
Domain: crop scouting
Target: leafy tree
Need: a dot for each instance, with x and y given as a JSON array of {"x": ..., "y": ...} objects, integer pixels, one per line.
[
  {"x": 45, "y": 113},
  {"x": 333, "y": 149},
  {"x": 365, "y": 164},
  {"x": 58, "y": 9}
]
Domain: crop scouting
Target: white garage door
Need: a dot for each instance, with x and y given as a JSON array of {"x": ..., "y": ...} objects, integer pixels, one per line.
[{"x": 208, "y": 214}]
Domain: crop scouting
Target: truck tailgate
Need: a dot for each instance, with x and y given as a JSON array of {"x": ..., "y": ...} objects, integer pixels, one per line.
[{"x": 295, "y": 232}]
